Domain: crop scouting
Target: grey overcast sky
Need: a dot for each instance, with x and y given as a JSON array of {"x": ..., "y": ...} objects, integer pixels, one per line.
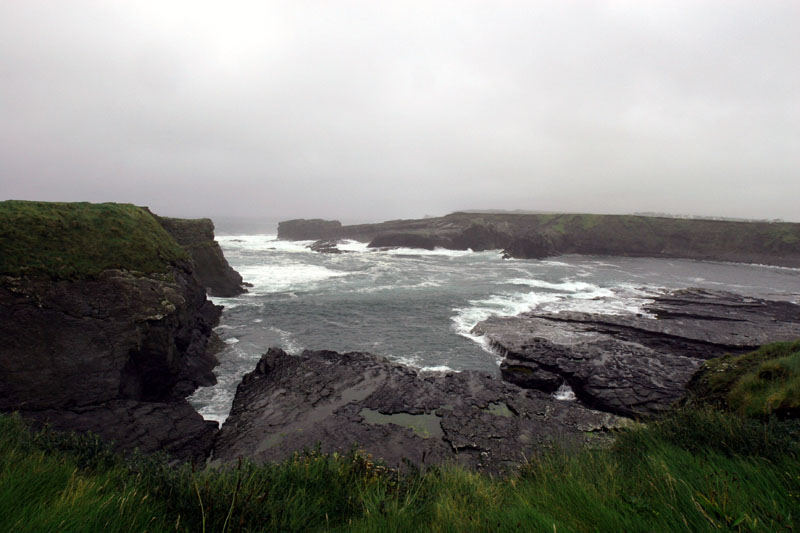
[{"x": 376, "y": 110}]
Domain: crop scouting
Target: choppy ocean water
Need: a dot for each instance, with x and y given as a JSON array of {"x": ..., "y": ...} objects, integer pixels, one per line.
[{"x": 417, "y": 307}]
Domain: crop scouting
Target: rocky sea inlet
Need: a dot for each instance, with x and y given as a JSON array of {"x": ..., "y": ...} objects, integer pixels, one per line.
[
  {"x": 418, "y": 307},
  {"x": 468, "y": 338}
]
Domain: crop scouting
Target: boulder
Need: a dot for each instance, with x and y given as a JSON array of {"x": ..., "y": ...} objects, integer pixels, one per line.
[{"x": 324, "y": 247}]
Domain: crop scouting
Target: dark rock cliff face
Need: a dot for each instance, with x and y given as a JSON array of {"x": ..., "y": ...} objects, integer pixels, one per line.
[
  {"x": 104, "y": 321},
  {"x": 635, "y": 364},
  {"x": 308, "y": 229},
  {"x": 116, "y": 355},
  {"x": 211, "y": 268},
  {"x": 291, "y": 402},
  {"x": 538, "y": 236}
]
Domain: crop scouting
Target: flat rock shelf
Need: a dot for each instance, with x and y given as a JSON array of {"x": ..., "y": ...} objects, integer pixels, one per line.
[{"x": 394, "y": 412}]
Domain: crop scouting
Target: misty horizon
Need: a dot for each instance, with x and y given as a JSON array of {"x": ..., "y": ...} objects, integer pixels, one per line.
[{"x": 365, "y": 112}]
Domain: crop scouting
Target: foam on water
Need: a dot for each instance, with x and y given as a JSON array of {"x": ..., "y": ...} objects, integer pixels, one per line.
[
  {"x": 256, "y": 243},
  {"x": 399, "y": 286},
  {"x": 442, "y": 252},
  {"x": 620, "y": 300},
  {"x": 565, "y": 286},
  {"x": 553, "y": 298},
  {"x": 353, "y": 246},
  {"x": 415, "y": 361},
  {"x": 506, "y": 304},
  {"x": 285, "y": 277},
  {"x": 418, "y": 307},
  {"x": 288, "y": 342},
  {"x": 564, "y": 393}
]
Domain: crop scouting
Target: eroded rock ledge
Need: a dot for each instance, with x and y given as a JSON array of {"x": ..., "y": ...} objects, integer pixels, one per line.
[
  {"x": 291, "y": 402},
  {"x": 635, "y": 364}
]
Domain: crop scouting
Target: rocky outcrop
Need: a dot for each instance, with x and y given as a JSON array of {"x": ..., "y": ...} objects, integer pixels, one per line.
[
  {"x": 324, "y": 247},
  {"x": 106, "y": 352},
  {"x": 531, "y": 245},
  {"x": 308, "y": 229},
  {"x": 103, "y": 324},
  {"x": 635, "y": 364},
  {"x": 534, "y": 236},
  {"x": 211, "y": 268},
  {"x": 393, "y": 412}
]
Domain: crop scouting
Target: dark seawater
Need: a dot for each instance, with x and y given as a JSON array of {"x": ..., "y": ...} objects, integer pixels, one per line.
[{"x": 418, "y": 307}]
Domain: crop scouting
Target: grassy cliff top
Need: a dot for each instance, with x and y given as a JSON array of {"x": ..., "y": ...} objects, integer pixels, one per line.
[{"x": 80, "y": 240}]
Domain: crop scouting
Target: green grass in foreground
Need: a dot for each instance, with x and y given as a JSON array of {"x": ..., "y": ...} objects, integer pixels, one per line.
[
  {"x": 79, "y": 240},
  {"x": 698, "y": 470}
]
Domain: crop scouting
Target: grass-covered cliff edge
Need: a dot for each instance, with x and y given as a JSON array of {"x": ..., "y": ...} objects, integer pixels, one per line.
[
  {"x": 80, "y": 240},
  {"x": 700, "y": 468},
  {"x": 543, "y": 235}
]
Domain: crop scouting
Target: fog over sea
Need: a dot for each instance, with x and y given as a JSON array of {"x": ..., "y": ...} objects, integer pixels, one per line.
[{"x": 417, "y": 307}]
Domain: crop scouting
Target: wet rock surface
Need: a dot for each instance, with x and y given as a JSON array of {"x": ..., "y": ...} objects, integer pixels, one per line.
[
  {"x": 117, "y": 355},
  {"x": 325, "y": 247},
  {"x": 635, "y": 364},
  {"x": 393, "y": 412}
]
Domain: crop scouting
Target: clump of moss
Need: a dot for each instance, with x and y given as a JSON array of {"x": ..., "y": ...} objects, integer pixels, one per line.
[
  {"x": 80, "y": 240},
  {"x": 757, "y": 384}
]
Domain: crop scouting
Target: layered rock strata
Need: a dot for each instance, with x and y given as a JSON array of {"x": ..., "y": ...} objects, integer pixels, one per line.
[
  {"x": 393, "y": 412},
  {"x": 635, "y": 365}
]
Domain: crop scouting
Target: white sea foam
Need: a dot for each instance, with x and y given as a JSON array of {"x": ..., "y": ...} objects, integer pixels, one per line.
[
  {"x": 231, "y": 340},
  {"x": 564, "y": 393},
  {"x": 438, "y": 368},
  {"x": 227, "y": 303},
  {"x": 353, "y": 246},
  {"x": 236, "y": 244},
  {"x": 565, "y": 286},
  {"x": 572, "y": 296},
  {"x": 422, "y": 252},
  {"x": 288, "y": 342},
  {"x": 214, "y": 403},
  {"x": 414, "y": 361},
  {"x": 382, "y": 288},
  {"x": 506, "y": 304},
  {"x": 620, "y": 300},
  {"x": 286, "y": 276}
]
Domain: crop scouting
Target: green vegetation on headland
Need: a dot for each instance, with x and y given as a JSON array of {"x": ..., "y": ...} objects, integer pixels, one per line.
[
  {"x": 755, "y": 384},
  {"x": 80, "y": 240},
  {"x": 698, "y": 469}
]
